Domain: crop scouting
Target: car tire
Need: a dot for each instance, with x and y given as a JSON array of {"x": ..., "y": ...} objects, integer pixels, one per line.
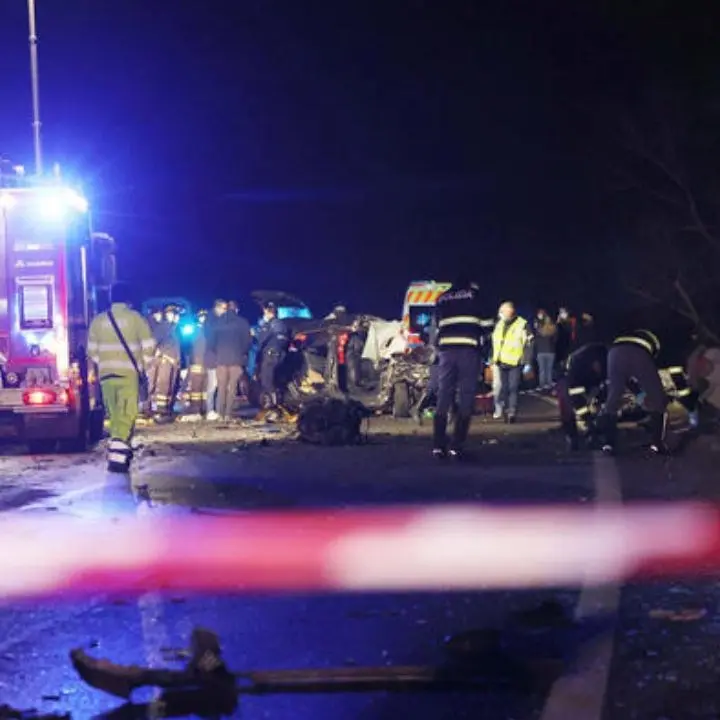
[{"x": 401, "y": 400}]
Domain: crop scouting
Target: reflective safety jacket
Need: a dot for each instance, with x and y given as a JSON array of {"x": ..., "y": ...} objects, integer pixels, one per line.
[
  {"x": 459, "y": 319},
  {"x": 106, "y": 350},
  {"x": 511, "y": 342},
  {"x": 641, "y": 338}
]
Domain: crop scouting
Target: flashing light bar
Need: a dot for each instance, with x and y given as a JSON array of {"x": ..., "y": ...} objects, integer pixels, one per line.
[
  {"x": 53, "y": 205},
  {"x": 429, "y": 549}
]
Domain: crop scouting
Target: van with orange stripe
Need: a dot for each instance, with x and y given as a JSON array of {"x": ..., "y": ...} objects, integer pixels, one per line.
[{"x": 419, "y": 308}]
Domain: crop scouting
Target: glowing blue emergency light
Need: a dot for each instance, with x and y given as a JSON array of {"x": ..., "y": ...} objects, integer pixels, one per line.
[
  {"x": 289, "y": 313},
  {"x": 187, "y": 330},
  {"x": 53, "y": 204}
]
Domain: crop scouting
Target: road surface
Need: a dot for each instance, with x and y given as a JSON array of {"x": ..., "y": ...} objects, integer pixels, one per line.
[{"x": 648, "y": 664}]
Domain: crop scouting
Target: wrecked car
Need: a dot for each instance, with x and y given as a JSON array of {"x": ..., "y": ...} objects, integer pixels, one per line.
[{"x": 403, "y": 380}]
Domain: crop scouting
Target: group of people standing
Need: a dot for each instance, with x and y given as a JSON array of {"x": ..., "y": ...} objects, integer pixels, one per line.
[
  {"x": 131, "y": 351},
  {"x": 222, "y": 352},
  {"x": 554, "y": 340},
  {"x": 593, "y": 377}
]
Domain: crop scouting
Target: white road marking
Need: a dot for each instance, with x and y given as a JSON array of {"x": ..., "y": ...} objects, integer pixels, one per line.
[
  {"x": 580, "y": 694},
  {"x": 154, "y": 630}
]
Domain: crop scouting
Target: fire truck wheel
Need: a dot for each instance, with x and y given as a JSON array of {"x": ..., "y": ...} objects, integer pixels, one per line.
[{"x": 401, "y": 400}]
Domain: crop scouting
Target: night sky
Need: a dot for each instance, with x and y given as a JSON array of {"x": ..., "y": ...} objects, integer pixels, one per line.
[{"x": 339, "y": 150}]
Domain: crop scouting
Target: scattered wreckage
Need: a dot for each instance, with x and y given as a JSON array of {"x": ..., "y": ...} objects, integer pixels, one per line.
[{"x": 518, "y": 657}]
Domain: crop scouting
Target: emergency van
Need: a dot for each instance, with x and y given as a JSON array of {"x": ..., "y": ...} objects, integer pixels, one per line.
[
  {"x": 54, "y": 273},
  {"x": 418, "y": 308}
]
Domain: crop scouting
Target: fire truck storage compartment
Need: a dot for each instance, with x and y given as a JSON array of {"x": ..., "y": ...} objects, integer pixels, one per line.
[{"x": 36, "y": 302}]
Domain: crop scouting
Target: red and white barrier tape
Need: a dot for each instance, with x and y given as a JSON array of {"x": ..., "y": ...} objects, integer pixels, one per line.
[{"x": 437, "y": 548}]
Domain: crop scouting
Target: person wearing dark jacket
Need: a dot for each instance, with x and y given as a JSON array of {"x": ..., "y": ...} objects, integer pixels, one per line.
[
  {"x": 586, "y": 330},
  {"x": 566, "y": 336},
  {"x": 228, "y": 340},
  {"x": 545, "y": 341},
  {"x": 273, "y": 342},
  {"x": 460, "y": 328}
]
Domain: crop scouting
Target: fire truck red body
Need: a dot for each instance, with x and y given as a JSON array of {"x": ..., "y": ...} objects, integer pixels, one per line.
[{"x": 48, "y": 257}]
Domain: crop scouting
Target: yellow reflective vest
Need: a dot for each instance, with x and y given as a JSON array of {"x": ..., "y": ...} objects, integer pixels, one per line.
[
  {"x": 106, "y": 350},
  {"x": 510, "y": 342}
]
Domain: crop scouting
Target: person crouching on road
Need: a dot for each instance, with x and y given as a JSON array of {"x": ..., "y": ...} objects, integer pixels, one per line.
[
  {"x": 228, "y": 338},
  {"x": 121, "y": 345},
  {"x": 459, "y": 321},
  {"x": 512, "y": 350},
  {"x": 632, "y": 358},
  {"x": 580, "y": 390},
  {"x": 545, "y": 341}
]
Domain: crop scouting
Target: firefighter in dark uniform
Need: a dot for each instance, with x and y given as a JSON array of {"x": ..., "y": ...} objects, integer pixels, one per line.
[
  {"x": 459, "y": 318},
  {"x": 273, "y": 340},
  {"x": 197, "y": 373},
  {"x": 167, "y": 363},
  {"x": 632, "y": 359},
  {"x": 582, "y": 390},
  {"x": 155, "y": 321}
]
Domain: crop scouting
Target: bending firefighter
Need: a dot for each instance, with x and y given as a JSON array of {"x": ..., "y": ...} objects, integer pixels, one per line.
[
  {"x": 582, "y": 390},
  {"x": 121, "y": 345},
  {"x": 632, "y": 361}
]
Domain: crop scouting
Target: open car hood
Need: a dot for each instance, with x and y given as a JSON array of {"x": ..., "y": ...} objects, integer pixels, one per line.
[{"x": 278, "y": 297}]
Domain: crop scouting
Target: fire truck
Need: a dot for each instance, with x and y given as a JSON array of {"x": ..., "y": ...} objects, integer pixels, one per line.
[{"x": 55, "y": 274}]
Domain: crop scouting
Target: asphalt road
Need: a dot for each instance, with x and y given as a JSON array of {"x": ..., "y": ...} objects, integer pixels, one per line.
[{"x": 640, "y": 665}]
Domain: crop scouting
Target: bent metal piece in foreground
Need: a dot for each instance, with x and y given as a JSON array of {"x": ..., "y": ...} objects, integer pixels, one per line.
[{"x": 435, "y": 548}]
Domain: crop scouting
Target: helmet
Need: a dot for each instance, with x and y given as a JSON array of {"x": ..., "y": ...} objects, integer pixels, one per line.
[
  {"x": 269, "y": 306},
  {"x": 172, "y": 310}
]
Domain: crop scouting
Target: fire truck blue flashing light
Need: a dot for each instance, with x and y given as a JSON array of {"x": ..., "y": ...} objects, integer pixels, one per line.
[{"x": 187, "y": 330}]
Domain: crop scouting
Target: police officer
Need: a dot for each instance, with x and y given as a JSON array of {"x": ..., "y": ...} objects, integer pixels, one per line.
[
  {"x": 459, "y": 319},
  {"x": 121, "y": 346},
  {"x": 632, "y": 358},
  {"x": 580, "y": 389},
  {"x": 273, "y": 338}
]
